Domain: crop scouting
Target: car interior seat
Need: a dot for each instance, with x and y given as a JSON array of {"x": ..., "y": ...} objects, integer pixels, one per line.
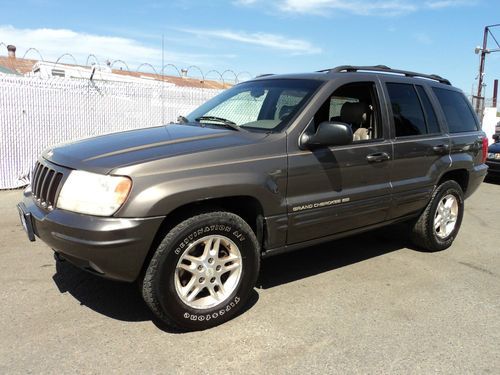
[{"x": 356, "y": 115}]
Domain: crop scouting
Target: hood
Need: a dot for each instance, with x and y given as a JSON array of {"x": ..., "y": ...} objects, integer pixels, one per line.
[{"x": 104, "y": 153}]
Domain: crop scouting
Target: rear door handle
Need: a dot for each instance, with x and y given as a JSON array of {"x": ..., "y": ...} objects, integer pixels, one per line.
[
  {"x": 441, "y": 149},
  {"x": 378, "y": 157}
]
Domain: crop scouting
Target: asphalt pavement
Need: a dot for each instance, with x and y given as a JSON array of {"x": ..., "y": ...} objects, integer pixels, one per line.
[{"x": 368, "y": 304}]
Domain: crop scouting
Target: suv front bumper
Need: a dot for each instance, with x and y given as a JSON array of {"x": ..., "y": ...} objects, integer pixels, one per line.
[
  {"x": 111, "y": 247},
  {"x": 493, "y": 167}
]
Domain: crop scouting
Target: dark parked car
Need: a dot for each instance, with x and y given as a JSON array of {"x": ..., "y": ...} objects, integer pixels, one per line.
[
  {"x": 271, "y": 165},
  {"x": 493, "y": 161}
]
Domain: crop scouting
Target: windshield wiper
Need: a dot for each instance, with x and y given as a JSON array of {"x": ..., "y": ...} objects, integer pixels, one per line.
[{"x": 219, "y": 121}]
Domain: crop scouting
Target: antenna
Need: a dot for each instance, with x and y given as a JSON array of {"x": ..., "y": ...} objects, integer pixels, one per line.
[{"x": 162, "y": 79}]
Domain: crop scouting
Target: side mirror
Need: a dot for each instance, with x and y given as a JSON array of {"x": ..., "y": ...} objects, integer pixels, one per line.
[
  {"x": 328, "y": 134},
  {"x": 496, "y": 137}
]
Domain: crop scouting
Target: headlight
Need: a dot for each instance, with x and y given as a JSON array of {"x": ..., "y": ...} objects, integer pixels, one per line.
[
  {"x": 93, "y": 194},
  {"x": 491, "y": 155}
]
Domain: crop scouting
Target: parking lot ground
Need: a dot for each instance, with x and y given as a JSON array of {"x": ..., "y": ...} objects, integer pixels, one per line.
[{"x": 367, "y": 304}]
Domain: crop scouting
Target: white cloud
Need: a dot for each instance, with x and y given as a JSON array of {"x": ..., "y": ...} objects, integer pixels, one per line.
[
  {"x": 438, "y": 4},
  {"x": 273, "y": 41},
  {"x": 245, "y": 2},
  {"x": 52, "y": 43},
  {"x": 359, "y": 7}
]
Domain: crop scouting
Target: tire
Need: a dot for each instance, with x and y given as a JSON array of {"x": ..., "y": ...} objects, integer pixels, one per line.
[
  {"x": 431, "y": 234},
  {"x": 213, "y": 259}
]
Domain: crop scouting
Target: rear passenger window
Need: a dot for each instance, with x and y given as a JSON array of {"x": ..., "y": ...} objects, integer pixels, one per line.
[
  {"x": 406, "y": 110},
  {"x": 430, "y": 115},
  {"x": 456, "y": 110}
]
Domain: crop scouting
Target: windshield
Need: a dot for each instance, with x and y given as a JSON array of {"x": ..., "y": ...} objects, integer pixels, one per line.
[{"x": 261, "y": 105}]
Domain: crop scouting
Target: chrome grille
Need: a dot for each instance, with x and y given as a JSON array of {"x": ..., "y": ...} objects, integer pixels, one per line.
[{"x": 45, "y": 185}]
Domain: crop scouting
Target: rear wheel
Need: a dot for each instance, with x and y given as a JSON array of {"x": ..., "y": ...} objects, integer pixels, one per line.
[
  {"x": 438, "y": 226},
  {"x": 203, "y": 271}
]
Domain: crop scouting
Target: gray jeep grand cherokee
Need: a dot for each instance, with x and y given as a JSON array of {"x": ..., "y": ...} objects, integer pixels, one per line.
[{"x": 271, "y": 165}]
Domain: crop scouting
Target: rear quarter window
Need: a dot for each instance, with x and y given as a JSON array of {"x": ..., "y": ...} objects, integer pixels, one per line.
[{"x": 457, "y": 111}]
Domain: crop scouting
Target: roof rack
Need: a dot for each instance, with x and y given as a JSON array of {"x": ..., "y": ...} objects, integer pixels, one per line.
[
  {"x": 385, "y": 69},
  {"x": 265, "y": 75}
]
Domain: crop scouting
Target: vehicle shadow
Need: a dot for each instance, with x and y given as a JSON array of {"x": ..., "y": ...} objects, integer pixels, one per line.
[
  {"x": 303, "y": 263},
  {"x": 123, "y": 301},
  {"x": 116, "y": 300}
]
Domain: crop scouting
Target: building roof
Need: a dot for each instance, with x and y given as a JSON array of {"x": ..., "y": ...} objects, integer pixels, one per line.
[
  {"x": 5, "y": 70},
  {"x": 20, "y": 66},
  {"x": 25, "y": 66}
]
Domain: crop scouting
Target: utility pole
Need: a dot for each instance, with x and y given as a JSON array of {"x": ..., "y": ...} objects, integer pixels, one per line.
[{"x": 484, "y": 51}]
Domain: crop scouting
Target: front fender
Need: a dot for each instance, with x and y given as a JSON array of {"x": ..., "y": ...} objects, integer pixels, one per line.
[{"x": 163, "y": 197}]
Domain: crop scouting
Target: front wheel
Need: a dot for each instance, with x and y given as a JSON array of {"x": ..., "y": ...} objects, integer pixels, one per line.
[
  {"x": 203, "y": 271},
  {"x": 438, "y": 225}
]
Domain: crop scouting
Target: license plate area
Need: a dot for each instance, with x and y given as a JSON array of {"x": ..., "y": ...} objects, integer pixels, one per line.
[{"x": 26, "y": 222}]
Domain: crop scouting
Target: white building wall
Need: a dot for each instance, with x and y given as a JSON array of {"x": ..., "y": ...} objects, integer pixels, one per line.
[{"x": 490, "y": 119}]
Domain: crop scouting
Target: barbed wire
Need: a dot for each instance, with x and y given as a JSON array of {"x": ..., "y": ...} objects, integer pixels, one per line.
[
  {"x": 95, "y": 59},
  {"x": 33, "y": 49},
  {"x": 181, "y": 72},
  {"x": 197, "y": 68},
  {"x": 220, "y": 75},
  {"x": 173, "y": 66},
  {"x": 119, "y": 61},
  {"x": 138, "y": 70}
]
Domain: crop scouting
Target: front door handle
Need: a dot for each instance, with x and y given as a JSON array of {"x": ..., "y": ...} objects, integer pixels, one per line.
[
  {"x": 378, "y": 157},
  {"x": 441, "y": 149}
]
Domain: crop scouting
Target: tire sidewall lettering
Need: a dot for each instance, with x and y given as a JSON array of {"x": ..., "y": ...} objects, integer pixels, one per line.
[
  {"x": 184, "y": 243},
  {"x": 215, "y": 315}
]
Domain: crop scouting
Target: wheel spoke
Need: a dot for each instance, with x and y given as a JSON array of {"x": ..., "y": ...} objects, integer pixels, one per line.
[
  {"x": 194, "y": 260},
  {"x": 449, "y": 202},
  {"x": 231, "y": 257},
  {"x": 437, "y": 221},
  {"x": 207, "y": 248},
  {"x": 231, "y": 267},
  {"x": 221, "y": 287},
  {"x": 189, "y": 268},
  {"x": 186, "y": 289},
  {"x": 215, "y": 248},
  {"x": 194, "y": 292},
  {"x": 212, "y": 292}
]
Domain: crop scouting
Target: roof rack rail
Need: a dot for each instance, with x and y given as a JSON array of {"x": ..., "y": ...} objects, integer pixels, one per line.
[
  {"x": 385, "y": 69},
  {"x": 265, "y": 75}
]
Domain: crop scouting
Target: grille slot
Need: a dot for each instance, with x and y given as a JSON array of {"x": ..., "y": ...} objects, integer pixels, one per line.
[{"x": 45, "y": 185}]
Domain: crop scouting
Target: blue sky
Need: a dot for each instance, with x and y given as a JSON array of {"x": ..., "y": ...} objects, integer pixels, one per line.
[{"x": 258, "y": 36}]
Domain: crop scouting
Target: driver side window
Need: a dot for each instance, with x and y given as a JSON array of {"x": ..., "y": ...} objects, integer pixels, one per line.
[{"x": 356, "y": 105}]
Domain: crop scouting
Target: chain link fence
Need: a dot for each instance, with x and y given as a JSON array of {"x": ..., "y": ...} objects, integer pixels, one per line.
[{"x": 38, "y": 113}]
